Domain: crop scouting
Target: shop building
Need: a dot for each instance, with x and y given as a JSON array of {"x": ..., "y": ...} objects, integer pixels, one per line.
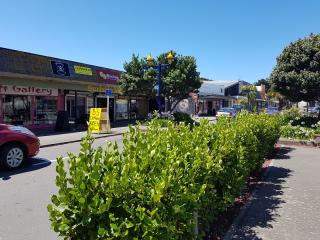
[
  {"x": 34, "y": 88},
  {"x": 215, "y": 94}
]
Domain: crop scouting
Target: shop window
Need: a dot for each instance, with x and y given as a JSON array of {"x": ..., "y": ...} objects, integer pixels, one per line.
[
  {"x": 46, "y": 110},
  {"x": 122, "y": 109},
  {"x": 16, "y": 109}
]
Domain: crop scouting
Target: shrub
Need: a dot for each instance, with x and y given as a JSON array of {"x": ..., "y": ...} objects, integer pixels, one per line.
[
  {"x": 297, "y": 132},
  {"x": 304, "y": 121},
  {"x": 291, "y": 114},
  {"x": 160, "y": 121},
  {"x": 180, "y": 117},
  {"x": 161, "y": 180}
]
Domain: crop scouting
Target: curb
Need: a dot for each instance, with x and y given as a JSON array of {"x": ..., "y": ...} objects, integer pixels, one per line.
[
  {"x": 234, "y": 226},
  {"x": 79, "y": 140},
  {"x": 302, "y": 143}
]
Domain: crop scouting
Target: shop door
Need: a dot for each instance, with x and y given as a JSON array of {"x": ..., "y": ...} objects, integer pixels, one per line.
[
  {"x": 77, "y": 114},
  {"x": 71, "y": 107},
  {"x": 102, "y": 103},
  {"x": 210, "y": 108}
]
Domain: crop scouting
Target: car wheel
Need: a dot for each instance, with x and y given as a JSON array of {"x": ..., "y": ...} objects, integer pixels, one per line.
[{"x": 12, "y": 156}]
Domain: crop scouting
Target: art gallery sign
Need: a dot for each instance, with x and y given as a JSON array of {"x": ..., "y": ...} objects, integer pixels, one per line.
[{"x": 29, "y": 91}]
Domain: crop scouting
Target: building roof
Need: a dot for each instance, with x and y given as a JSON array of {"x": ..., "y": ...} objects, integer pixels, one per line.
[
  {"x": 29, "y": 64},
  {"x": 215, "y": 87}
]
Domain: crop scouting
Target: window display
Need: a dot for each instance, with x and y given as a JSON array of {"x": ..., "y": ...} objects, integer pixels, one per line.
[
  {"x": 46, "y": 110},
  {"x": 122, "y": 109},
  {"x": 16, "y": 109}
]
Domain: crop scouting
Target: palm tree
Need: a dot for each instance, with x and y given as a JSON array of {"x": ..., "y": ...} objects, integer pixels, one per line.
[{"x": 250, "y": 91}]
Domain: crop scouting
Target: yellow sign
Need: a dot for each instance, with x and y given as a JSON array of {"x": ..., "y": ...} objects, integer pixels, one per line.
[
  {"x": 114, "y": 89},
  {"x": 94, "y": 120},
  {"x": 83, "y": 70},
  {"x": 99, "y": 120}
]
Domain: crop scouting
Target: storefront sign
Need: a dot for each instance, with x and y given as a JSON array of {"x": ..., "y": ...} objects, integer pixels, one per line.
[
  {"x": 108, "y": 76},
  {"x": 102, "y": 89},
  {"x": 60, "y": 68},
  {"x": 82, "y": 70},
  {"x": 29, "y": 91}
]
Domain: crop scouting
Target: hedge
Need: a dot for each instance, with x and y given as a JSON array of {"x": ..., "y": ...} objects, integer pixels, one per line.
[{"x": 164, "y": 184}]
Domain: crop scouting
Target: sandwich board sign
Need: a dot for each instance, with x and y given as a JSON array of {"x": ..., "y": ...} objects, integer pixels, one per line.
[{"x": 99, "y": 121}]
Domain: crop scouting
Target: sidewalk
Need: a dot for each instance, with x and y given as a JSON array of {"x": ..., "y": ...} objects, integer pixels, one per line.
[
  {"x": 287, "y": 204},
  {"x": 53, "y": 138}
]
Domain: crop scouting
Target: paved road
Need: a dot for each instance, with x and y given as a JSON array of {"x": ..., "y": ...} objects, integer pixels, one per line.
[
  {"x": 287, "y": 205},
  {"x": 25, "y": 194}
]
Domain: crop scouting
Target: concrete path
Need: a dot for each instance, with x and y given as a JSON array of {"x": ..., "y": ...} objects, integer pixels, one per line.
[{"x": 287, "y": 204}]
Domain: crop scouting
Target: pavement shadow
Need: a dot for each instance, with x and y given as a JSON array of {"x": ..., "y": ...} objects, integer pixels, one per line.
[
  {"x": 262, "y": 209},
  {"x": 282, "y": 153},
  {"x": 32, "y": 164}
]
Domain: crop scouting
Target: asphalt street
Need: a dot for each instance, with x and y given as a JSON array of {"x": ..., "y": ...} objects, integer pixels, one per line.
[{"x": 25, "y": 194}]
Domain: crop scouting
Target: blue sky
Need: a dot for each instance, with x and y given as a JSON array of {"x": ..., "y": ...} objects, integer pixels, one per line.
[{"x": 230, "y": 39}]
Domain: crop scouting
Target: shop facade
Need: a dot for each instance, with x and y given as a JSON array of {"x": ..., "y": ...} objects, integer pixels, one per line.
[
  {"x": 34, "y": 88},
  {"x": 34, "y": 106},
  {"x": 216, "y": 94}
]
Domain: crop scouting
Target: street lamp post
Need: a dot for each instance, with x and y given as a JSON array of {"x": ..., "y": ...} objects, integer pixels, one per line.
[{"x": 160, "y": 66}]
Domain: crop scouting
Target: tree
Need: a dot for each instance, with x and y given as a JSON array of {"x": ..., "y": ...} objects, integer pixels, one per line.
[
  {"x": 251, "y": 93},
  {"x": 178, "y": 80},
  {"x": 137, "y": 79},
  {"x": 273, "y": 95},
  {"x": 264, "y": 82},
  {"x": 296, "y": 75}
]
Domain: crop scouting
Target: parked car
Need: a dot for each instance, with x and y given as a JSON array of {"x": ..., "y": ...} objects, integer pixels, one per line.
[
  {"x": 272, "y": 110},
  {"x": 229, "y": 112},
  {"x": 17, "y": 144},
  {"x": 238, "y": 107}
]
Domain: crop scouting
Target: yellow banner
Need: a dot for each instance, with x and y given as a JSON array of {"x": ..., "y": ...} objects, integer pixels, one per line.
[{"x": 83, "y": 70}]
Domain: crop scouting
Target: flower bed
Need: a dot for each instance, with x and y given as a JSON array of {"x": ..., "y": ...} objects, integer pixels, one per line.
[
  {"x": 300, "y": 127},
  {"x": 165, "y": 184}
]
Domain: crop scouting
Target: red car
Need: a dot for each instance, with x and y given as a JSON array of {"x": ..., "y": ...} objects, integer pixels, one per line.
[{"x": 16, "y": 145}]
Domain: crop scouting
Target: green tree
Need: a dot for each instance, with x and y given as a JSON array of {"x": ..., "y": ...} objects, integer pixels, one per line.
[
  {"x": 177, "y": 81},
  {"x": 137, "y": 79},
  {"x": 296, "y": 75},
  {"x": 276, "y": 96},
  {"x": 251, "y": 93},
  {"x": 264, "y": 82}
]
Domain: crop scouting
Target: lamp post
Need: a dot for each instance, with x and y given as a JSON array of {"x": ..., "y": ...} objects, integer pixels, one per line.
[{"x": 160, "y": 66}]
